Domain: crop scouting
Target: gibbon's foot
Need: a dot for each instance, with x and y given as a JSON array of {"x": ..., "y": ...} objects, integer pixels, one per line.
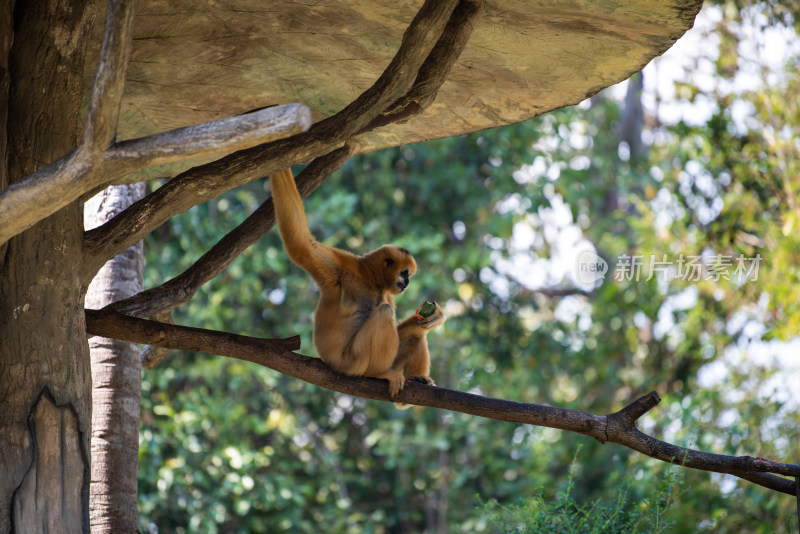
[
  {"x": 428, "y": 381},
  {"x": 396, "y": 381},
  {"x": 422, "y": 380},
  {"x": 437, "y": 318}
]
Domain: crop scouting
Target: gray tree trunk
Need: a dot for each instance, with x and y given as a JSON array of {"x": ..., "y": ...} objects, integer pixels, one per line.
[
  {"x": 116, "y": 379},
  {"x": 45, "y": 379},
  {"x": 631, "y": 120}
]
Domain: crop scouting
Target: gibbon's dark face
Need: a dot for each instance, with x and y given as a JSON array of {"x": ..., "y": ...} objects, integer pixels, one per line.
[{"x": 400, "y": 267}]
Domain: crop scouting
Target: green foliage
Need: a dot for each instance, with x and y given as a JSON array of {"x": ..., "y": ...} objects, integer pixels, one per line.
[{"x": 563, "y": 515}]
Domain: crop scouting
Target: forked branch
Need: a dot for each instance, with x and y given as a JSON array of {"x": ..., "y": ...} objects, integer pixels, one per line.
[
  {"x": 619, "y": 427},
  {"x": 433, "y": 73}
]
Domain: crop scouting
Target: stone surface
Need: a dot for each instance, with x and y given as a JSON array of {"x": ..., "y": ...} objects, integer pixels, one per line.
[{"x": 194, "y": 62}]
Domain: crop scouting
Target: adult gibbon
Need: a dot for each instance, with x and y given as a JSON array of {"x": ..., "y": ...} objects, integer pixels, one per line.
[{"x": 355, "y": 329}]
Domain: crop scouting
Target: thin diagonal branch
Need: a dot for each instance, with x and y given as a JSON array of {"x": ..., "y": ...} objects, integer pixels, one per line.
[
  {"x": 436, "y": 68},
  {"x": 180, "y": 289},
  {"x": 109, "y": 81},
  {"x": 418, "y": 41},
  {"x": 556, "y": 292},
  {"x": 208, "y": 181},
  {"x": 618, "y": 427}
]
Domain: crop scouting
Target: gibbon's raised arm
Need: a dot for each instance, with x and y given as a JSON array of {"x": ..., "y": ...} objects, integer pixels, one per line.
[{"x": 316, "y": 258}]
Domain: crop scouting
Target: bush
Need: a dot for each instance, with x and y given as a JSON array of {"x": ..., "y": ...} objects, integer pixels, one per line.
[{"x": 564, "y": 515}]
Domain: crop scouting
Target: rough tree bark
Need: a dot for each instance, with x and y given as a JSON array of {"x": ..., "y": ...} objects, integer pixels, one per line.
[
  {"x": 44, "y": 362},
  {"x": 116, "y": 379}
]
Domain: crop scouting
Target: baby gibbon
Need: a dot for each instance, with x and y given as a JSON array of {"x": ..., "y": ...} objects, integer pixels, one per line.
[{"x": 355, "y": 330}]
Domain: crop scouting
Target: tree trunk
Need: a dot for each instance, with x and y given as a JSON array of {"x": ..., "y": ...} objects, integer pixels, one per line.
[
  {"x": 116, "y": 379},
  {"x": 6, "y": 39},
  {"x": 45, "y": 380},
  {"x": 631, "y": 120}
]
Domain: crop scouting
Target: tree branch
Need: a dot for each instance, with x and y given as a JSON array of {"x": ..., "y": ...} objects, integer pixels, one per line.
[
  {"x": 102, "y": 323},
  {"x": 221, "y": 136},
  {"x": 437, "y": 66},
  {"x": 52, "y": 187},
  {"x": 618, "y": 427},
  {"x": 621, "y": 428},
  {"x": 109, "y": 80},
  {"x": 180, "y": 289},
  {"x": 151, "y": 355},
  {"x": 208, "y": 181},
  {"x": 556, "y": 292},
  {"x": 418, "y": 41}
]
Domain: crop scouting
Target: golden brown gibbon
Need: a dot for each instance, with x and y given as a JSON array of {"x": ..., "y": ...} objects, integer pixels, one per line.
[{"x": 355, "y": 330}]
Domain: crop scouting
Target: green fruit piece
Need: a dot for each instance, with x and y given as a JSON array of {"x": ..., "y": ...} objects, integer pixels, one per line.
[{"x": 427, "y": 309}]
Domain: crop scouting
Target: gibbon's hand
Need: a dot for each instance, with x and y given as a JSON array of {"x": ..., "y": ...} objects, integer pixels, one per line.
[{"x": 437, "y": 318}]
